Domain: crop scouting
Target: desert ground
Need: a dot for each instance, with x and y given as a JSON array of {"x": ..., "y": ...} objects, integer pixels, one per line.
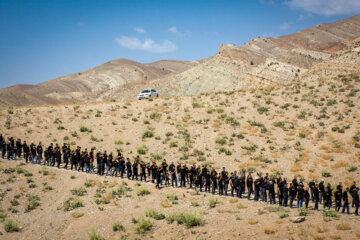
[{"x": 308, "y": 129}]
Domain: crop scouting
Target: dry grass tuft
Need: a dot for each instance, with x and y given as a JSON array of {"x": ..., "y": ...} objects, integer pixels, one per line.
[
  {"x": 253, "y": 222},
  {"x": 343, "y": 226},
  {"x": 321, "y": 229},
  {"x": 77, "y": 214},
  {"x": 166, "y": 204},
  {"x": 269, "y": 231}
]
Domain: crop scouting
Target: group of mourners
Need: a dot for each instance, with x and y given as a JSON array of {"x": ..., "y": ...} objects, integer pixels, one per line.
[{"x": 263, "y": 188}]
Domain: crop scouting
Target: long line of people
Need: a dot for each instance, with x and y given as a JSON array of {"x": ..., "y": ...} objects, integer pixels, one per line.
[{"x": 263, "y": 188}]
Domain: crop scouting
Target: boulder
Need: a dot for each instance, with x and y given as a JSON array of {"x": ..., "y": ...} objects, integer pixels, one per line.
[{"x": 298, "y": 219}]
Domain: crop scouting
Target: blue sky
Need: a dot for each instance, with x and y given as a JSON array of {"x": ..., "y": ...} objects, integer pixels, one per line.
[{"x": 41, "y": 40}]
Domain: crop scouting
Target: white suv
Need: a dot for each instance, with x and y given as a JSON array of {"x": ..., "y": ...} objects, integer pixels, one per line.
[{"x": 147, "y": 93}]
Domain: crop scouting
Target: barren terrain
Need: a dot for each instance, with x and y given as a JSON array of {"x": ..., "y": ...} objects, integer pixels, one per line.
[{"x": 308, "y": 129}]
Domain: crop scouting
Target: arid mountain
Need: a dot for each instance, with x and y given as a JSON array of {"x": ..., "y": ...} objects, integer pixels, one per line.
[{"x": 312, "y": 54}]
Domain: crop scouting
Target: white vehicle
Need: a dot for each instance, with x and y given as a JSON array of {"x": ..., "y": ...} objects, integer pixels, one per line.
[{"x": 147, "y": 93}]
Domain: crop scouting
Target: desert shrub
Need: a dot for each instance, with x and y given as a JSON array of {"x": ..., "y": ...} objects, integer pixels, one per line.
[
  {"x": 73, "y": 133},
  {"x": 89, "y": 183},
  {"x": 72, "y": 203},
  {"x": 9, "y": 170},
  {"x": 262, "y": 110},
  {"x": 188, "y": 219},
  {"x": 11, "y": 226},
  {"x": 325, "y": 173},
  {"x": 155, "y": 156},
  {"x": 142, "y": 225},
  {"x": 78, "y": 191},
  {"x": 118, "y": 227},
  {"x": 142, "y": 149},
  {"x": 173, "y": 144},
  {"x": 94, "y": 236},
  {"x": 329, "y": 212},
  {"x": 269, "y": 230},
  {"x": 14, "y": 202},
  {"x": 213, "y": 202},
  {"x": 221, "y": 141},
  {"x": 343, "y": 226},
  {"x": 172, "y": 196},
  {"x": 77, "y": 214},
  {"x": 148, "y": 133},
  {"x": 194, "y": 204},
  {"x": 303, "y": 211},
  {"x": 85, "y": 129},
  {"x": 283, "y": 215},
  {"x": 352, "y": 169},
  {"x": 141, "y": 191},
  {"x": 153, "y": 214},
  {"x": 33, "y": 202}
]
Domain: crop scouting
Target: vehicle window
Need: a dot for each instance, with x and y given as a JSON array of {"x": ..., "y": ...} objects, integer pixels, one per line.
[{"x": 145, "y": 91}]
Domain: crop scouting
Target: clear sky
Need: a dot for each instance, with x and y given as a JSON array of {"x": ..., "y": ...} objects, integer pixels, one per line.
[{"x": 41, "y": 40}]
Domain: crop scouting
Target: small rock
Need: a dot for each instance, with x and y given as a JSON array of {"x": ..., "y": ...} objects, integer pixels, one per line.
[{"x": 298, "y": 219}]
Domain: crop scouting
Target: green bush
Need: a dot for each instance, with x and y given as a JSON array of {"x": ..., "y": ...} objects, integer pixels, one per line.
[
  {"x": 185, "y": 218},
  {"x": 148, "y": 133},
  {"x": 78, "y": 191},
  {"x": 352, "y": 169},
  {"x": 303, "y": 211},
  {"x": 329, "y": 212},
  {"x": 325, "y": 173},
  {"x": 85, "y": 129},
  {"x": 118, "y": 227},
  {"x": 153, "y": 214},
  {"x": 172, "y": 196},
  {"x": 141, "y": 149},
  {"x": 72, "y": 203},
  {"x": 11, "y": 226},
  {"x": 213, "y": 202},
  {"x": 141, "y": 191},
  {"x": 33, "y": 202},
  {"x": 142, "y": 225},
  {"x": 94, "y": 236}
]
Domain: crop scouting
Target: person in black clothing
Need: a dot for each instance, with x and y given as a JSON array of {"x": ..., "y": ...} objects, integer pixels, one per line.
[
  {"x": 307, "y": 197},
  {"x": 26, "y": 151},
  {"x": 213, "y": 181},
  {"x": 327, "y": 198},
  {"x": 135, "y": 169},
  {"x": 321, "y": 191},
  {"x": 249, "y": 185},
  {"x": 292, "y": 193},
  {"x": 257, "y": 185},
  {"x": 87, "y": 162},
  {"x": 271, "y": 187},
  {"x": 58, "y": 157},
  {"x": 300, "y": 196},
  {"x": 158, "y": 176},
  {"x": 356, "y": 201},
  {"x": 122, "y": 166},
  {"x": 345, "y": 199},
  {"x": 207, "y": 182},
  {"x": 18, "y": 148},
  {"x": 104, "y": 162},
  {"x": 312, "y": 186},
  {"x": 352, "y": 193},
  {"x": 316, "y": 197},
  {"x": 338, "y": 197},
  {"x": 221, "y": 184},
  {"x": 232, "y": 183},
  {"x": 3, "y": 149},
  {"x": 204, "y": 171},
  {"x": 66, "y": 158},
  {"x": 73, "y": 163},
  {"x": 148, "y": 166},
  {"x": 128, "y": 168},
  {"x": 39, "y": 152},
  {"x": 280, "y": 186},
  {"x": 226, "y": 183},
  {"x": 285, "y": 192},
  {"x": 109, "y": 164},
  {"x": 173, "y": 174},
  {"x": 142, "y": 171},
  {"x": 183, "y": 172},
  {"x": 192, "y": 173},
  {"x": 295, "y": 182},
  {"x": 153, "y": 172}
]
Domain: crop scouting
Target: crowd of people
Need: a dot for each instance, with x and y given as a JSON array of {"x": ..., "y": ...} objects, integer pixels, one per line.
[{"x": 265, "y": 188}]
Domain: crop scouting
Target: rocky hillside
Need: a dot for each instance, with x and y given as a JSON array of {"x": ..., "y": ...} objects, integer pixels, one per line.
[{"x": 309, "y": 54}]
